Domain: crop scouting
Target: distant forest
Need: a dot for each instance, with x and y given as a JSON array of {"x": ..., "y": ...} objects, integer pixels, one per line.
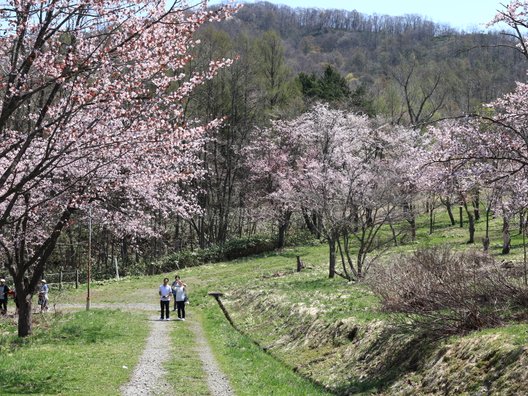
[{"x": 388, "y": 55}]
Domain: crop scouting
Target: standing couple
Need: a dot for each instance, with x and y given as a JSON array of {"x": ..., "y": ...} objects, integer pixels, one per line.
[{"x": 177, "y": 289}]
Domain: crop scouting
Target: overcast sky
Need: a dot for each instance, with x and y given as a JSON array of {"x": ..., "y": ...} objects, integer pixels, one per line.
[{"x": 461, "y": 14}]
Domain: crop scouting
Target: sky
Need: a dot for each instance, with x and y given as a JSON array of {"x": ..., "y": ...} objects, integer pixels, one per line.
[{"x": 461, "y": 14}]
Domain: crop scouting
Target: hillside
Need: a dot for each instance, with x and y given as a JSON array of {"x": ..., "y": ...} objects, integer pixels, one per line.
[
  {"x": 300, "y": 333},
  {"x": 371, "y": 50}
]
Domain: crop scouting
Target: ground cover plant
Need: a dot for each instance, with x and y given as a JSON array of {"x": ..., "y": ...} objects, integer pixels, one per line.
[
  {"x": 443, "y": 293},
  {"x": 184, "y": 370},
  {"x": 75, "y": 353},
  {"x": 308, "y": 322}
]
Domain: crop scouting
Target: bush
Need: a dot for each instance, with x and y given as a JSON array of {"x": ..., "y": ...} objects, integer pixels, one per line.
[
  {"x": 243, "y": 247},
  {"x": 232, "y": 249},
  {"x": 441, "y": 293}
]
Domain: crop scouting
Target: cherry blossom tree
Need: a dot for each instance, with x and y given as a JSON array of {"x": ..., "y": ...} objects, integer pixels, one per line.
[
  {"x": 491, "y": 149},
  {"x": 345, "y": 167},
  {"x": 92, "y": 116}
]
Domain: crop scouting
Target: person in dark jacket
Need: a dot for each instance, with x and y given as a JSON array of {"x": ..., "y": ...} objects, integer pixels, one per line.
[{"x": 4, "y": 293}]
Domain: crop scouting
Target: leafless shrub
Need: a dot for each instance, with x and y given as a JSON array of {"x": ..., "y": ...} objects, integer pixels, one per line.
[{"x": 441, "y": 292}]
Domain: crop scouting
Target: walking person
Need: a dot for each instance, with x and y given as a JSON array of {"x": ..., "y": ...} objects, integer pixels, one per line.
[
  {"x": 4, "y": 293},
  {"x": 43, "y": 295},
  {"x": 165, "y": 294},
  {"x": 178, "y": 289}
]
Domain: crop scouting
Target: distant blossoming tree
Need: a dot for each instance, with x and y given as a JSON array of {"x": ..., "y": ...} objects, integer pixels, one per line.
[
  {"x": 347, "y": 168},
  {"x": 92, "y": 95},
  {"x": 491, "y": 149}
]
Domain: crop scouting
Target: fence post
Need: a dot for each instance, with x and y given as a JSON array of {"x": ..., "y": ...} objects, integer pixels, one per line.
[
  {"x": 76, "y": 278},
  {"x": 116, "y": 268},
  {"x": 60, "y": 279}
]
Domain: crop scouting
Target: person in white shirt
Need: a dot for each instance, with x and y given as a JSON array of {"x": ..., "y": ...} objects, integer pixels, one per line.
[
  {"x": 165, "y": 294},
  {"x": 178, "y": 289}
]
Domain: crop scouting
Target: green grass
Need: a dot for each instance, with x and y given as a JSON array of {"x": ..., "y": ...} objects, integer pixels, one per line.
[
  {"x": 515, "y": 334},
  {"x": 251, "y": 371},
  {"x": 185, "y": 371},
  {"x": 74, "y": 354}
]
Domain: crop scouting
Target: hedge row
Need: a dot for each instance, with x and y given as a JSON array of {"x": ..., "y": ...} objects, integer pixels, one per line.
[{"x": 231, "y": 250}]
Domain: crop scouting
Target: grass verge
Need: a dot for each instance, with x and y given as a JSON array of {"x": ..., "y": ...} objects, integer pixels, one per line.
[
  {"x": 185, "y": 372},
  {"x": 251, "y": 371},
  {"x": 84, "y": 353}
]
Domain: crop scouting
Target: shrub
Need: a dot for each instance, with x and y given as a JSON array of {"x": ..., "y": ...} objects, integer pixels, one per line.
[
  {"x": 232, "y": 249},
  {"x": 243, "y": 247},
  {"x": 441, "y": 293}
]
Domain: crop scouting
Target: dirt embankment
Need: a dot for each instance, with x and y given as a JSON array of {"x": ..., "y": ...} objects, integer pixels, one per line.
[{"x": 349, "y": 356}]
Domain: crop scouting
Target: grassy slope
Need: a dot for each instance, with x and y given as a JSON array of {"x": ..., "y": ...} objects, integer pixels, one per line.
[{"x": 327, "y": 330}]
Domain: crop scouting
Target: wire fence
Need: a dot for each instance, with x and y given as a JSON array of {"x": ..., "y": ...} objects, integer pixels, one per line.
[{"x": 66, "y": 279}]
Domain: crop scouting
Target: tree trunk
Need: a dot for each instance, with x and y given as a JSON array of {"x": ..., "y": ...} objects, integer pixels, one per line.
[
  {"x": 476, "y": 205},
  {"x": 332, "y": 257},
  {"x": 449, "y": 208},
  {"x": 25, "y": 326},
  {"x": 283, "y": 229},
  {"x": 471, "y": 222},
  {"x": 310, "y": 223},
  {"x": 411, "y": 219},
  {"x": 486, "y": 240},
  {"x": 506, "y": 240}
]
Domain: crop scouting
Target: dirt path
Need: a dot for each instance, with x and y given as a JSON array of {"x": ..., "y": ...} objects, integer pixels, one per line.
[
  {"x": 216, "y": 380},
  {"x": 148, "y": 377}
]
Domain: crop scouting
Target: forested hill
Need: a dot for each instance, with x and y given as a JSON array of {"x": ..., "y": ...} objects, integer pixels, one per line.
[{"x": 376, "y": 50}]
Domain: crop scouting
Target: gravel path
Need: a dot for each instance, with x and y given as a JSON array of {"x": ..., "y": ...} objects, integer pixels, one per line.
[
  {"x": 216, "y": 380},
  {"x": 148, "y": 377}
]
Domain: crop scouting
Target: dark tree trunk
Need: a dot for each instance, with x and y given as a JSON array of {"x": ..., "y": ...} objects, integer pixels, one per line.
[
  {"x": 408, "y": 211},
  {"x": 476, "y": 205},
  {"x": 486, "y": 240},
  {"x": 332, "y": 256},
  {"x": 506, "y": 240},
  {"x": 310, "y": 223},
  {"x": 471, "y": 222},
  {"x": 283, "y": 229},
  {"x": 25, "y": 315},
  {"x": 449, "y": 208}
]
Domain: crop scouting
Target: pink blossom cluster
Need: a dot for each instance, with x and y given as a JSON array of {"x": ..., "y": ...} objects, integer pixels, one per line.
[{"x": 92, "y": 114}]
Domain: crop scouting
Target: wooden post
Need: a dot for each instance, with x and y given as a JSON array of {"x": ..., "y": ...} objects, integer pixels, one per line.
[
  {"x": 461, "y": 217},
  {"x": 299, "y": 264},
  {"x": 89, "y": 266},
  {"x": 60, "y": 279},
  {"x": 116, "y": 268},
  {"x": 217, "y": 296},
  {"x": 76, "y": 278}
]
